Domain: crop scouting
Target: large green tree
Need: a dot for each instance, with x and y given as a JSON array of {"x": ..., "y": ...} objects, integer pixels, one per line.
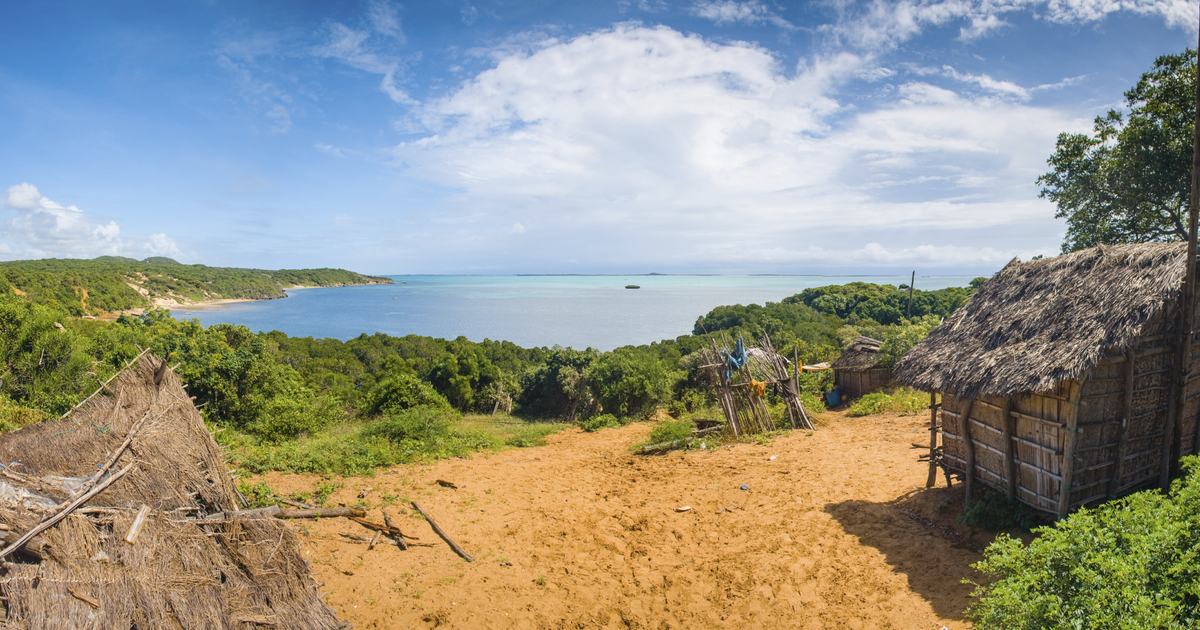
[{"x": 1129, "y": 181}]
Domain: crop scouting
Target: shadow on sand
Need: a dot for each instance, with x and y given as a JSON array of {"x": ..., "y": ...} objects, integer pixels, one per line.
[{"x": 918, "y": 537}]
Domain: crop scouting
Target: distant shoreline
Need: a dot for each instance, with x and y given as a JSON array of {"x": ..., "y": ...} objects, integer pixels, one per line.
[{"x": 208, "y": 305}]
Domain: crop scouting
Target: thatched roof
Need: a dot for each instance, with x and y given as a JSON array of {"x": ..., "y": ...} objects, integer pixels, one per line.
[
  {"x": 185, "y": 571},
  {"x": 863, "y": 353},
  {"x": 1037, "y": 323}
]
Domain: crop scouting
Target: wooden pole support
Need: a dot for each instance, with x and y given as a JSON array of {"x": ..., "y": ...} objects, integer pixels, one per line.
[
  {"x": 1070, "y": 446},
  {"x": 1010, "y": 448},
  {"x": 969, "y": 448},
  {"x": 933, "y": 409}
]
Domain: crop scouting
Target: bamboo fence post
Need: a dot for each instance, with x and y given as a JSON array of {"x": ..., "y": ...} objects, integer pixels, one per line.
[
  {"x": 1070, "y": 445},
  {"x": 933, "y": 409},
  {"x": 969, "y": 448},
  {"x": 1010, "y": 456},
  {"x": 1126, "y": 413}
]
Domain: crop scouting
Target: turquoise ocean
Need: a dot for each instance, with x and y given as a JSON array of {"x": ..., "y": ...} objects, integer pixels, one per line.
[{"x": 535, "y": 310}]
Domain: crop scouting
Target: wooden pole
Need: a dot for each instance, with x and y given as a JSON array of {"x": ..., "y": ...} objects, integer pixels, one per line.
[
  {"x": 1070, "y": 445},
  {"x": 969, "y": 455},
  {"x": 1008, "y": 428},
  {"x": 933, "y": 409},
  {"x": 910, "y": 293},
  {"x": 1173, "y": 437},
  {"x": 1126, "y": 413}
]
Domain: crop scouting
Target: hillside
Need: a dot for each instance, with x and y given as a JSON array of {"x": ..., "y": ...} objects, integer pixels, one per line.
[{"x": 113, "y": 283}]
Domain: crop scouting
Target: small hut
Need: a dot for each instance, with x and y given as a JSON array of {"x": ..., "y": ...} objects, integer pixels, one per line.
[
  {"x": 740, "y": 378},
  {"x": 857, "y": 371},
  {"x": 1057, "y": 378},
  {"x": 136, "y": 523}
]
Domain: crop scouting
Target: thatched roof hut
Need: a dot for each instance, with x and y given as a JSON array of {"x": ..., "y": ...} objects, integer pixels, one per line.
[
  {"x": 857, "y": 371},
  {"x": 1064, "y": 368},
  {"x": 191, "y": 565}
]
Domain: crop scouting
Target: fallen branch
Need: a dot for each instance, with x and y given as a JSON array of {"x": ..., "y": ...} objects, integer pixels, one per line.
[
  {"x": 112, "y": 459},
  {"x": 390, "y": 530},
  {"x": 438, "y": 530},
  {"x": 255, "y": 513},
  {"x": 321, "y": 513},
  {"x": 666, "y": 446},
  {"x": 61, "y": 514},
  {"x": 387, "y": 520}
]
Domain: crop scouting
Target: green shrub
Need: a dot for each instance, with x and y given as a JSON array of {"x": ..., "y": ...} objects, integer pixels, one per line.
[
  {"x": 602, "y": 421},
  {"x": 532, "y": 434},
  {"x": 286, "y": 417},
  {"x": 402, "y": 391},
  {"x": 901, "y": 400},
  {"x": 671, "y": 431},
  {"x": 1130, "y": 563},
  {"x": 414, "y": 425},
  {"x": 14, "y": 416},
  {"x": 259, "y": 495}
]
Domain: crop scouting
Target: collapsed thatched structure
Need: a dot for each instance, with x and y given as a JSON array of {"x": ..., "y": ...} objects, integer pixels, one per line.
[
  {"x": 191, "y": 565},
  {"x": 1057, "y": 377},
  {"x": 857, "y": 371}
]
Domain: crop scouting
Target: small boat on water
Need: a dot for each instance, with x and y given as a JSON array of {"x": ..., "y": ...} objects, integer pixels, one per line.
[{"x": 632, "y": 286}]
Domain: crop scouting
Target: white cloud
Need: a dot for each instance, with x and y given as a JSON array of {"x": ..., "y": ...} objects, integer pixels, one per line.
[
  {"x": 732, "y": 11},
  {"x": 330, "y": 149},
  {"x": 1005, "y": 88},
  {"x": 356, "y": 49},
  {"x": 43, "y": 228},
  {"x": 884, "y": 24},
  {"x": 663, "y": 145}
]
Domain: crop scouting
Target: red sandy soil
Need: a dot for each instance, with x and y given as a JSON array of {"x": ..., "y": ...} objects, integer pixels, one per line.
[{"x": 836, "y": 532}]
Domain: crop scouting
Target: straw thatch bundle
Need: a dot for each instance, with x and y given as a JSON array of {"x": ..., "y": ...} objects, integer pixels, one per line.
[
  {"x": 183, "y": 571},
  {"x": 863, "y": 353},
  {"x": 1038, "y": 323}
]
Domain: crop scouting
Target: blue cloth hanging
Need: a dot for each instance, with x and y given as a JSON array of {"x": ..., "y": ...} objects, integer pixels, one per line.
[{"x": 735, "y": 360}]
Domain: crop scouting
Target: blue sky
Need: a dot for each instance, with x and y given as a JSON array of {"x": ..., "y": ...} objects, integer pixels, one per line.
[{"x": 455, "y": 136}]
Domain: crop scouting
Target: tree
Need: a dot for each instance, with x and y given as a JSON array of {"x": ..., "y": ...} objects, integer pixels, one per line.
[{"x": 1129, "y": 182}]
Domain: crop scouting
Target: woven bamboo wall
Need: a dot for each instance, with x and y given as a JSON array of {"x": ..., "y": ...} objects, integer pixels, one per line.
[
  {"x": 1119, "y": 412},
  {"x": 856, "y": 383}
]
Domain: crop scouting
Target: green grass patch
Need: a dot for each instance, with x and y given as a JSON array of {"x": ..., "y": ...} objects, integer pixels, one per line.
[
  {"x": 669, "y": 431},
  {"x": 602, "y": 421},
  {"x": 903, "y": 400},
  {"x": 359, "y": 448}
]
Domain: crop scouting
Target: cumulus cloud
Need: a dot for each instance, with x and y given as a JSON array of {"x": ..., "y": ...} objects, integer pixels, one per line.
[
  {"x": 651, "y": 140},
  {"x": 43, "y": 228}
]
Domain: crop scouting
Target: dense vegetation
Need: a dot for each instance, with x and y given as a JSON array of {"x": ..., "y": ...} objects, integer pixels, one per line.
[
  {"x": 326, "y": 405},
  {"x": 102, "y": 285}
]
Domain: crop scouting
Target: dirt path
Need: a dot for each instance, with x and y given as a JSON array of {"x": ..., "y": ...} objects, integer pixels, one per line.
[{"x": 582, "y": 534}]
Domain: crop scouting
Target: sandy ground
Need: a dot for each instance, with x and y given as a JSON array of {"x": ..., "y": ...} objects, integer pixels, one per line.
[{"x": 837, "y": 531}]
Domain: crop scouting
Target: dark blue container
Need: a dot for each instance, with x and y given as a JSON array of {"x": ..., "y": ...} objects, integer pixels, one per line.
[{"x": 834, "y": 397}]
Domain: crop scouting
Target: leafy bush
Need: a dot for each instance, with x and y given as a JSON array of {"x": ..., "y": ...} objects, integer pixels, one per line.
[
  {"x": 1130, "y": 563},
  {"x": 402, "y": 391},
  {"x": 670, "y": 431},
  {"x": 419, "y": 424},
  {"x": 288, "y": 416},
  {"x": 631, "y": 381},
  {"x": 14, "y": 416},
  {"x": 602, "y": 421},
  {"x": 258, "y": 495},
  {"x": 901, "y": 338}
]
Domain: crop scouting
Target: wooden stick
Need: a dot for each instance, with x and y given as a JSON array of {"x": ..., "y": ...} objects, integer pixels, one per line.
[
  {"x": 390, "y": 530},
  {"x": 374, "y": 539},
  {"x": 61, "y": 514},
  {"x": 90, "y": 601},
  {"x": 387, "y": 520},
  {"x": 112, "y": 459},
  {"x": 438, "y": 530},
  {"x": 321, "y": 513},
  {"x": 135, "y": 530},
  {"x": 103, "y": 385},
  {"x": 269, "y": 511}
]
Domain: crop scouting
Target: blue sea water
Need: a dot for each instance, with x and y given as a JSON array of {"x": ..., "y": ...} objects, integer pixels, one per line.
[{"x": 571, "y": 311}]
